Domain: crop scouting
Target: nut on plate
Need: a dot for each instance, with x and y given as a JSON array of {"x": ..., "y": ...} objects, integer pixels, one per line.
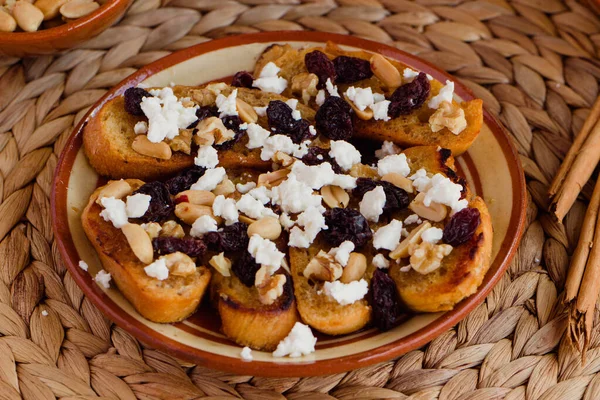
[
  {"x": 323, "y": 267},
  {"x": 139, "y": 241},
  {"x": 182, "y": 142},
  {"x": 365, "y": 114},
  {"x": 189, "y": 213},
  {"x": 198, "y": 197},
  {"x": 172, "y": 229},
  {"x": 386, "y": 72},
  {"x": 221, "y": 264},
  {"x": 426, "y": 257},
  {"x": 448, "y": 115},
  {"x": 355, "y": 268},
  {"x": 144, "y": 146},
  {"x": 117, "y": 189},
  {"x": 402, "y": 250},
  {"x": 213, "y": 126},
  {"x": 270, "y": 288},
  {"x": 435, "y": 212},
  {"x": 266, "y": 227},
  {"x": 271, "y": 179},
  {"x": 246, "y": 111},
  {"x": 305, "y": 84},
  {"x": 398, "y": 180},
  {"x": 179, "y": 264},
  {"x": 152, "y": 229},
  {"x": 335, "y": 196}
]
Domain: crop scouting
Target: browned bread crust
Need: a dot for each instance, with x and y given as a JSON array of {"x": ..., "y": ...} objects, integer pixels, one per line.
[
  {"x": 171, "y": 300},
  {"x": 247, "y": 321}
]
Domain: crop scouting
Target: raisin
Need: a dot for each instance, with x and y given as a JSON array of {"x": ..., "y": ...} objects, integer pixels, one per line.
[
  {"x": 461, "y": 226},
  {"x": 319, "y": 155},
  {"x": 281, "y": 121},
  {"x": 346, "y": 224},
  {"x": 242, "y": 79},
  {"x": 203, "y": 113},
  {"x": 232, "y": 122},
  {"x": 245, "y": 268},
  {"x": 231, "y": 238},
  {"x": 184, "y": 180},
  {"x": 395, "y": 198},
  {"x": 161, "y": 206},
  {"x": 319, "y": 64},
  {"x": 133, "y": 99},
  {"x": 352, "y": 69},
  {"x": 334, "y": 119},
  {"x": 409, "y": 96},
  {"x": 190, "y": 246},
  {"x": 386, "y": 302}
]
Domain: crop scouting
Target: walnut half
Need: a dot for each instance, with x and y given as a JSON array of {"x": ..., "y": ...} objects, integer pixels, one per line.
[
  {"x": 323, "y": 267},
  {"x": 448, "y": 115},
  {"x": 426, "y": 257}
]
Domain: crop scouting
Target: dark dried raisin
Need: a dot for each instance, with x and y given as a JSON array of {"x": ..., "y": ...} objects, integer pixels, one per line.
[
  {"x": 395, "y": 198},
  {"x": 245, "y": 268},
  {"x": 184, "y": 180},
  {"x": 462, "y": 226},
  {"x": 231, "y": 238},
  {"x": 334, "y": 119},
  {"x": 281, "y": 121},
  {"x": 203, "y": 113},
  {"x": 346, "y": 224},
  {"x": 190, "y": 246},
  {"x": 161, "y": 206},
  {"x": 319, "y": 155},
  {"x": 409, "y": 96},
  {"x": 319, "y": 64},
  {"x": 242, "y": 79},
  {"x": 386, "y": 302},
  {"x": 133, "y": 99},
  {"x": 352, "y": 69},
  {"x": 232, "y": 122}
]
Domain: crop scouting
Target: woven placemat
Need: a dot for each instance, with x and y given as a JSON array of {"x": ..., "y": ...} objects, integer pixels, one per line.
[{"x": 532, "y": 61}]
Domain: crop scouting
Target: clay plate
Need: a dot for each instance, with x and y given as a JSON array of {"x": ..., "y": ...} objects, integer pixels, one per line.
[{"x": 491, "y": 166}]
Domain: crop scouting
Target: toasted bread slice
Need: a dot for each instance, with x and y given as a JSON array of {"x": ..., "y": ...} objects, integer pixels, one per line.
[
  {"x": 319, "y": 311},
  {"x": 406, "y": 131},
  {"x": 247, "y": 321},
  {"x": 170, "y": 300},
  {"x": 108, "y": 136}
]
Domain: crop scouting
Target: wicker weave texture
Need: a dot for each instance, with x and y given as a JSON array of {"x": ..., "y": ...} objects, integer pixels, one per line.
[{"x": 534, "y": 62}]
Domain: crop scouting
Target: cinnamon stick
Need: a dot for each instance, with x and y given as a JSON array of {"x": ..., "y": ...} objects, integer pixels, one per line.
[{"x": 575, "y": 148}]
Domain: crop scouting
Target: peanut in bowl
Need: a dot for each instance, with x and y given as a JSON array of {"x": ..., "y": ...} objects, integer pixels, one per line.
[{"x": 49, "y": 26}]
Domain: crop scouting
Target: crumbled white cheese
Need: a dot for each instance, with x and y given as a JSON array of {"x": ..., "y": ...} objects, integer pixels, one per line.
[
  {"x": 405, "y": 232},
  {"x": 226, "y": 209},
  {"x": 265, "y": 253},
  {"x": 83, "y": 265},
  {"x": 261, "y": 194},
  {"x": 243, "y": 126},
  {"x": 44, "y": 313},
  {"x": 286, "y": 221},
  {"x": 406, "y": 268},
  {"x": 207, "y": 157},
  {"x": 261, "y": 111},
  {"x": 158, "y": 269},
  {"x": 445, "y": 94},
  {"x": 137, "y": 205},
  {"x": 210, "y": 179},
  {"x": 361, "y": 97},
  {"x": 114, "y": 211},
  {"x": 380, "y": 110},
  {"x": 409, "y": 74},
  {"x": 387, "y": 149},
  {"x": 377, "y": 97},
  {"x": 313, "y": 222},
  {"x": 202, "y": 225},
  {"x": 166, "y": 114},
  {"x": 140, "y": 128},
  {"x": 439, "y": 189},
  {"x": 312, "y": 130},
  {"x": 294, "y": 196},
  {"x": 432, "y": 235},
  {"x": 346, "y": 293},
  {"x": 299, "y": 342},
  {"x": 293, "y": 103},
  {"x": 253, "y": 208},
  {"x": 371, "y": 205},
  {"x": 344, "y": 181},
  {"x": 412, "y": 219},
  {"x": 268, "y": 81},
  {"x": 331, "y": 88},
  {"x": 342, "y": 252},
  {"x": 320, "y": 98},
  {"x": 379, "y": 261},
  {"x": 246, "y": 187},
  {"x": 315, "y": 176},
  {"x": 227, "y": 104},
  {"x": 246, "y": 354},
  {"x": 256, "y": 136},
  {"x": 344, "y": 153},
  {"x": 393, "y": 163},
  {"x": 302, "y": 149},
  {"x": 388, "y": 236},
  {"x": 103, "y": 278},
  {"x": 276, "y": 143}
]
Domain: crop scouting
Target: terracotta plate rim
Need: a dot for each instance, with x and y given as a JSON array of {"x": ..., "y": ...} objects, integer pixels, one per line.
[{"x": 275, "y": 369}]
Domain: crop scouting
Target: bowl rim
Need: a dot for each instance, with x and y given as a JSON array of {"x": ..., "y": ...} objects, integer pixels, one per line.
[
  {"x": 267, "y": 368},
  {"x": 61, "y": 31}
]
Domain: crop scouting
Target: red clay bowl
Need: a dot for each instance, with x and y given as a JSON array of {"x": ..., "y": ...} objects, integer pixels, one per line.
[
  {"x": 63, "y": 37},
  {"x": 491, "y": 166}
]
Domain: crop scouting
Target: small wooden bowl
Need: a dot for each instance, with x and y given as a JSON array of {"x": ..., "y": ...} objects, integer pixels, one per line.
[{"x": 63, "y": 37}]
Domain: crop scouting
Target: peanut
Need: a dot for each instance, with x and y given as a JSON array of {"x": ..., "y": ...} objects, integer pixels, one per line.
[
  {"x": 386, "y": 72},
  {"x": 335, "y": 196},
  {"x": 266, "y": 227},
  {"x": 365, "y": 114},
  {"x": 172, "y": 229},
  {"x": 215, "y": 127},
  {"x": 398, "y": 180},
  {"x": 117, "y": 189},
  {"x": 246, "y": 111},
  {"x": 139, "y": 241},
  {"x": 355, "y": 268},
  {"x": 78, "y": 8},
  {"x": 50, "y": 8},
  {"x": 434, "y": 212},
  {"x": 284, "y": 159},
  {"x": 270, "y": 179},
  {"x": 224, "y": 188},
  {"x": 198, "y": 197},
  {"x": 402, "y": 250},
  {"x": 189, "y": 213},
  {"x": 7, "y": 22},
  {"x": 142, "y": 145},
  {"x": 221, "y": 264},
  {"x": 28, "y": 17}
]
